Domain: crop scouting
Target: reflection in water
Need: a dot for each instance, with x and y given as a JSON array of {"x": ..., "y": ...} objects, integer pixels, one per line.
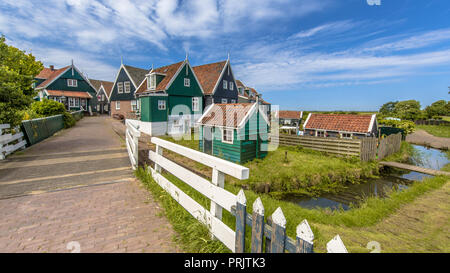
[{"x": 429, "y": 158}]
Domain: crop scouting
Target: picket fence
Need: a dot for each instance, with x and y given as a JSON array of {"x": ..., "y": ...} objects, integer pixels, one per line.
[
  {"x": 274, "y": 231},
  {"x": 10, "y": 141},
  {"x": 132, "y": 135}
]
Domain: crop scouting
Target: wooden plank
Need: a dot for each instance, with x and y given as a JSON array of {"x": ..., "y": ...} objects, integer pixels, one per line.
[
  {"x": 222, "y": 197},
  {"x": 257, "y": 227},
  {"x": 218, "y": 180},
  {"x": 278, "y": 232},
  {"x": 222, "y": 165},
  {"x": 241, "y": 215},
  {"x": 6, "y": 138},
  {"x": 319, "y": 139},
  {"x": 414, "y": 168},
  {"x": 221, "y": 231},
  {"x": 305, "y": 238},
  {"x": 5, "y": 126}
]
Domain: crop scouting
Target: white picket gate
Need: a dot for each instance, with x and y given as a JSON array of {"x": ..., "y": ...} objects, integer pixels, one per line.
[
  {"x": 6, "y": 139},
  {"x": 132, "y": 135}
]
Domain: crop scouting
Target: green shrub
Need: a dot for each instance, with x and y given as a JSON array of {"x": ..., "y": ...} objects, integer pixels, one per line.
[
  {"x": 406, "y": 125},
  {"x": 69, "y": 120},
  {"x": 48, "y": 108}
]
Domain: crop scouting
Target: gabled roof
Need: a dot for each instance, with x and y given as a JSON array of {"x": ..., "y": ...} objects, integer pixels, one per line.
[
  {"x": 169, "y": 71},
  {"x": 51, "y": 75},
  {"x": 108, "y": 86},
  {"x": 239, "y": 84},
  {"x": 208, "y": 75},
  {"x": 96, "y": 83},
  {"x": 340, "y": 122},
  {"x": 290, "y": 114},
  {"x": 231, "y": 115},
  {"x": 136, "y": 74}
]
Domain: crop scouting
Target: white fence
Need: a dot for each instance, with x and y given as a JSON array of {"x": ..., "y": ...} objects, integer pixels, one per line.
[
  {"x": 10, "y": 142},
  {"x": 132, "y": 135},
  {"x": 213, "y": 190}
]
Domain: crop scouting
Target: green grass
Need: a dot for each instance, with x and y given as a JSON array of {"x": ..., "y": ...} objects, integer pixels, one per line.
[{"x": 436, "y": 130}]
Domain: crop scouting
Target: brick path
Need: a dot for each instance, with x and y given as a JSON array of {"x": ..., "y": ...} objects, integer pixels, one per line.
[{"x": 91, "y": 198}]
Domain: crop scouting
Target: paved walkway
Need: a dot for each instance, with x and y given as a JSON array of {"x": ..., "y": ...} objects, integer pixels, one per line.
[
  {"x": 422, "y": 137},
  {"x": 77, "y": 188}
]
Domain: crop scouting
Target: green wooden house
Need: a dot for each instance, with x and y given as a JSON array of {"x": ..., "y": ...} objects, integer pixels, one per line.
[
  {"x": 237, "y": 132},
  {"x": 170, "y": 99},
  {"x": 68, "y": 86}
]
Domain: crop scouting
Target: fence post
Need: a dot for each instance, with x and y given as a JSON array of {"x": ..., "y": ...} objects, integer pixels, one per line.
[
  {"x": 268, "y": 241},
  {"x": 278, "y": 231},
  {"x": 241, "y": 215},
  {"x": 257, "y": 226},
  {"x": 305, "y": 238},
  {"x": 136, "y": 147},
  {"x": 159, "y": 151},
  {"x": 336, "y": 245},
  {"x": 218, "y": 179}
]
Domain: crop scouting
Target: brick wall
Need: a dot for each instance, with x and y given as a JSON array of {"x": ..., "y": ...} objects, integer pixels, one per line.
[{"x": 125, "y": 109}]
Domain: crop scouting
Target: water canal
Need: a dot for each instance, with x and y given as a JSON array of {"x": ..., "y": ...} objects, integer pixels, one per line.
[{"x": 354, "y": 194}]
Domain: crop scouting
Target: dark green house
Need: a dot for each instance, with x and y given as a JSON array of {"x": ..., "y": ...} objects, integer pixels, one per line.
[
  {"x": 236, "y": 132},
  {"x": 68, "y": 86},
  {"x": 170, "y": 98}
]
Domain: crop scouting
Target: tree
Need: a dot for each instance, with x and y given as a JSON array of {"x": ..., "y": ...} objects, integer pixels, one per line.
[
  {"x": 408, "y": 109},
  {"x": 438, "y": 108},
  {"x": 17, "y": 71},
  {"x": 388, "y": 107}
]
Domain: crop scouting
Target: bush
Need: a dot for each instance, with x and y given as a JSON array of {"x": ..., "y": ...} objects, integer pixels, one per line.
[
  {"x": 48, "y": 108},
  {"x": 69, "y": 120},
  {"x": 406, "y": 125}
]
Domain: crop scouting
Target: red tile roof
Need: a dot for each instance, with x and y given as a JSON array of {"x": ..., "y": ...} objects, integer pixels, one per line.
[
  {"x": 339, "y": 122},
  {"x": 168, "y": 70},
  {"x": 208, "y": 75},
  {"x": 289, "y": 114},
  {"x": 45, "y": 73},
  {"x": 227, "y": 115},
  {"x": 50, "y": 76},
  {"x": 73, "y": 94},
  {"x": 108, "y": 87},
  {"x": 239, "y": 83}
]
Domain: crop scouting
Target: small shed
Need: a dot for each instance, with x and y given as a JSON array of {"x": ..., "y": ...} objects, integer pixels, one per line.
[
  {"x": 341, "y": 125},
  {"x": 237, "y": 132}
]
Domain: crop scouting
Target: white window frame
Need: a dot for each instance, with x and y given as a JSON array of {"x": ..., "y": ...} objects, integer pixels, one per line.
[
  {"x": 224, "y": 131},
  {"x": 127, "y": 87},
  {"x": 120, "y": 87},
  {"x": 225, "y": 84},
  {"x": 347, "y": 137},
  {"x": 224, "y": 101},
  {"x": 77, "y": 102},
  {"x": 231, "y": 86},
  {"x": 103, "y": 97},
  {"x": 134, "y": 106},
  {"x": 161, "y": 105},
  {"x": 187, "y": 82},
  {"x": 151, "y": 82},
  {"x": 71, "y": 102},
  {"x": 117, "y": 105},
  {"x": 321, "y": 131},
  {"x": 196, "y": 104},
  {"x": 72, "y": 83},
  {"x": 233, "y": 101}
]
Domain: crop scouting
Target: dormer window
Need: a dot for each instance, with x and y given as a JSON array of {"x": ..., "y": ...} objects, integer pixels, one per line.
[
  {"x": 151, "y": 81},
  {"x": 72, "y": 83},
  {"x": 225, "y": 84},
  {"x": 187, "y": 82}
]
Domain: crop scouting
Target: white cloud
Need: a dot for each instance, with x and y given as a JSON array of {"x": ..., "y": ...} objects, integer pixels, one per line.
[{"x": 335, "y": 27}]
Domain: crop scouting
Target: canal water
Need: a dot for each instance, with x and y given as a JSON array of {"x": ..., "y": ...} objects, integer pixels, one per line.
[{"x": 381, "y": 187}]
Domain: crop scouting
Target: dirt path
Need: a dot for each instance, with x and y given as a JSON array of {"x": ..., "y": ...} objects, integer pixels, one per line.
[
  {"x": 422, "y": 137},
  {"x": 78, "y": 186},
  {"x": 422, "y": 226}
]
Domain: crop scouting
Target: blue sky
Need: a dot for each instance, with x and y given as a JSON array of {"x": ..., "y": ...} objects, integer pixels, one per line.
[{"x": 302, "y": 54}]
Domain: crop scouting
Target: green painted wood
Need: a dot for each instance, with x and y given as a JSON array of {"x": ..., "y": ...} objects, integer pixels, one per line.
[
  {"x": 177, "y": 87},
  {"x": 150, "y": 111}
]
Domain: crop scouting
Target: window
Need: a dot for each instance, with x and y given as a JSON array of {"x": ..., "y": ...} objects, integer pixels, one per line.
[
  {"x": 151, "y": 82},
  {"x": 320, "y": 133},
  {"x": 225, "y": 84},
  {"x": 233, "y": 101},
  {"x": 161, "y": 105},
  {"x": 231, "y": 86},
  {"x": 346, "y": 135},
  {"x": 224, "y": 101},
  {"x": 120, "y": 87},
  {"x": 77, "y": 102},
  {"x": 103, "y": 97},
  {"x": 71, "y": 102},
  {"x": 117, "y": 105},
  {"x": 227, "y": 136},
  {"x": 98, "y": 108},
  {"x": 72, "y": 83},
  {"x": 134, "y": 105},
  {"x": 187, "y": 82},
  {"x": 127, "y": 87},
  {"x": 241, "y": 90},
  {"x": 195, "y": 104}
]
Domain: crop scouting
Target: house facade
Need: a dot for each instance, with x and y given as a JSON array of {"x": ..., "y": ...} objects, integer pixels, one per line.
[
  {"x": 68, "y": 86},
  {"x": 290, "y": 120},
  {"x": 122, "y": 99},
  {"x": 235, "y": 132},
  {"x": 171, "y": 99},
  {"x": 104, "y": 89},
  {"x": 218, "y": 83},
  {"x": 340, "y": 126}
]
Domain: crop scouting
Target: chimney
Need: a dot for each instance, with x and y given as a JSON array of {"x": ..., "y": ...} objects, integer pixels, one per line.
[{"x": 52, "y": 67}]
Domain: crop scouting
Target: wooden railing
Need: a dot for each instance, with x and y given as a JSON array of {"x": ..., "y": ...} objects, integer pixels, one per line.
[
  {"x": 274, "y": 231},
  {"x": 132, "y": 135},
  {"x": 11, "y": 140}
]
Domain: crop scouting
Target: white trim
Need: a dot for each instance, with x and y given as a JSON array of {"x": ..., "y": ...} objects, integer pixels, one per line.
[
  {"x": 371, "y": 123},
  {"x": 43, "y": 87},
  {"x": 188, "y": 82},
  {"x": 118, "y": 92},
  {"x": 117, "y": 101},
  {"x": 165, "y": 105},
  {"x": 306, "y": 121},
  {"x": 175, "y": 75},
  {"x": 197, "y": 99},
  {"x": 232, "y": 136},
  {"x": 129, "y": 87}
]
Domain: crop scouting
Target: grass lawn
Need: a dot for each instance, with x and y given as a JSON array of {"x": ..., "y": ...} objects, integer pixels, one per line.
[{"x": 436, "y": 130}]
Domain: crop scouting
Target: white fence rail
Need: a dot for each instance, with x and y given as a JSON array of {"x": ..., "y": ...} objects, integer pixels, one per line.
[
  {"x": 213, "y": 190},
  {"x": 132, "y": 135},
  {"x": 10, "y": 142}
]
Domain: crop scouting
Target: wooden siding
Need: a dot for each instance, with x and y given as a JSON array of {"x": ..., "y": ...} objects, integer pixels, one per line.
[
  {"x": 177, "y": 87},
  {"x": 150, "y": 111},
  {"x": 123, "y": 77},
  {"x": 221, "y": 93}
]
